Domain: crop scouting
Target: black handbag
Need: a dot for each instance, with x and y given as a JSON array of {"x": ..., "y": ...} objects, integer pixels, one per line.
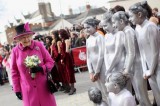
[{"x": 50, "y": 83}]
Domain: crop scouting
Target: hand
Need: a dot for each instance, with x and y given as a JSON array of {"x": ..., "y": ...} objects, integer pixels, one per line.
[
  {"x": 36, "y": 69},
  {"x": 146, "y": 77},
  {"x": 91, "y": 75},
  {"x": 146, "y": 74},
  {"x": 96, "y": 76},
  {"x": 19, "y": 95},
  {"x": 126, "y": 73}
]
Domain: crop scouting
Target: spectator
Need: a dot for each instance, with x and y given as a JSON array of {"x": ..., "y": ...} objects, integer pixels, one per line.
[
  {"x": 119, "y": 8},
  {"x": 6, "y": 63},
  {"x": 48, "y": 42},
  {"x": 81, "y": 40},
  {"x": 1, "y": 80},
  {"x": 154, "y": 17},
  {"x": 58, "y": 69},
  {"x": 67, "y": 62},
  {"x": 73, "y": 39},
  {"x": 39, "y": 38}
]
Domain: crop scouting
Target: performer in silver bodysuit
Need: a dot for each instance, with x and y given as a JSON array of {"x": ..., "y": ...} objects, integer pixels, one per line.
[
  {"x": 95, "y": 55},
  {"x": 114, "y": 47},
  {"x": 148, "y": 42},
  {"x": 133, "y": 65}
]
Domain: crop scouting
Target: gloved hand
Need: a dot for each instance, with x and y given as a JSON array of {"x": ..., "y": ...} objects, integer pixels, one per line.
[
  {"x": 19, "y": 95},
  {"x": 36, "y": 69}
]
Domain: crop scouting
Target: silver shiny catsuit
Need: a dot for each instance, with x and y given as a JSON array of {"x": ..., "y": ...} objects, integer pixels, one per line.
[
  {"x": 135, "y": 71},
  {"x": 148, "y": 42},
  {"x": 114, "y": 52},
  {"x": 95, "y": 59}
]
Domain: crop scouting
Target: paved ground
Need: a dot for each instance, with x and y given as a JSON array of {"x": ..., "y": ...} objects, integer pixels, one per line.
[{"x": 8, "y": 98}]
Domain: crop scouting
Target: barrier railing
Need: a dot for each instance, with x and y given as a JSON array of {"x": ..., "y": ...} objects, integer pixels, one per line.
[{"x": 79, "y": 57}]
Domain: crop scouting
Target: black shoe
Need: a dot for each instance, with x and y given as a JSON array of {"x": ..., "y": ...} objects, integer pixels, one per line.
[
  {"x": 137, "y": 102},
  {"x": 154, "y": 102},
  {"x": 61, "y": 88},
  {"x": 66, "y": 91},
  {"x": 72, "y": 91}
]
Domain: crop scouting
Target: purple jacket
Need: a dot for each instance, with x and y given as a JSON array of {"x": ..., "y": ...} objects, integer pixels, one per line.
[{"x": 34, "y": 91}]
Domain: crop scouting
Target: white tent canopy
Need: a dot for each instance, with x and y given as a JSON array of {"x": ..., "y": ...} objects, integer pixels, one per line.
[{"x": 61, "y": 24}]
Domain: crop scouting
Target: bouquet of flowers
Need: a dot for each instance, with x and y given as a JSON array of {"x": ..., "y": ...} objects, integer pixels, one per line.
[{"x": 32, "y": 61}]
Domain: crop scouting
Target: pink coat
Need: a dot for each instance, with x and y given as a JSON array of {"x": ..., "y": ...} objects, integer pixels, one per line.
[{"x": 34, "y": 91}]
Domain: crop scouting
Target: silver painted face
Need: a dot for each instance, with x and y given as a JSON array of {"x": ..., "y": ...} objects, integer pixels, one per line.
[
  {"x": 107, "y": 26},
  {"x": 89, "y": 29},
  {"x": 110, "y": 85},
  {"x": 133, "y": 18},
  {"x": 116, "y": 24}
]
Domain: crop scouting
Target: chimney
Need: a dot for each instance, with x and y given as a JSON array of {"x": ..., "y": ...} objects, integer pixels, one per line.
[
  {"x": 88, "y": 7},
  {"x": 49, "y": 9},
  {"x": 42, "y": 9},
  {"x": 46, "y": 11},
  {"x": 70, "y": 11}
]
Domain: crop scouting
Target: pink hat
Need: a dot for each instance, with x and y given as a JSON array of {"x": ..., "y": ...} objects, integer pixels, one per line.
[{"x": 23, "y": 30}]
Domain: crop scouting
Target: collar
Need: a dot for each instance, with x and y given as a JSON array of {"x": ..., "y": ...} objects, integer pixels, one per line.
[
  {"x": 126, "y": 27},
  {"x": 30, "y": 47},
  {"x": 144, "y": 22}
]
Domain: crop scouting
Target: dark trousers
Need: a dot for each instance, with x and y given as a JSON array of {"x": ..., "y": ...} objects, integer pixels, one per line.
[{"x": 1, "y": 81}]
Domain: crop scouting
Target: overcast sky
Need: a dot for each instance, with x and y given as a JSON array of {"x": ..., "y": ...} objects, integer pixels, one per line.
[{"x": 12, "y": 8}]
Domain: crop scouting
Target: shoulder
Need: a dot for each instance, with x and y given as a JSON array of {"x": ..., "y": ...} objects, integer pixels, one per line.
[
  {"x": 15, "y": 48},
  {"x": 151, "y": 28},
  {"x": 89, "y": 38},
  {"x": 129, "y": 30},
  {"x": 126, "y": 94},
  {"x": 120, "y": 32},
  {"x": 37, "y": 43},
  {"x": 67, "y": 41},
  {"x": 150, "y": 25},
  {"x": 59, "y": 42},
  {"x": 99, "y": 36}
]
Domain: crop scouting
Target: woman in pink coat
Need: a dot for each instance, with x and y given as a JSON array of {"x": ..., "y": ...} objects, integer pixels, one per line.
[{"x": 32, "y": 90}]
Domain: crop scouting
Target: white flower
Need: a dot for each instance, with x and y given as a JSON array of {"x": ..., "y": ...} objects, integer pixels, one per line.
[{"x": 32, "y": 61}]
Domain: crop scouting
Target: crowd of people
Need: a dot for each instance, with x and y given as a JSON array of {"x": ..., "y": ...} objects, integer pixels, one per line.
[
  {"x": 126, "y": 58},
  {"x": 54, "y": 54},
  {"x": 122, "y": 57}
]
